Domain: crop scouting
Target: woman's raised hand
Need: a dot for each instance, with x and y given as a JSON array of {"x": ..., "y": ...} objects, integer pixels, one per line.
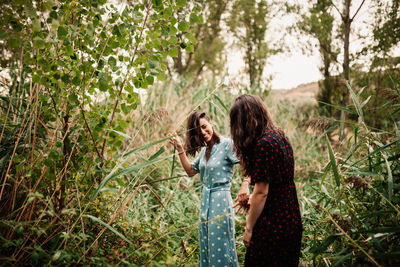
[{"x": 176, "y": 141}]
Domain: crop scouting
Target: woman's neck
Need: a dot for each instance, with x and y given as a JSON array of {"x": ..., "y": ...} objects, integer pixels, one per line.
[{"x": 210, "y": 144}]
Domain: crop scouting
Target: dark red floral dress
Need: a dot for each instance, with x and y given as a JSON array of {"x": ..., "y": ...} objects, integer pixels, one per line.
[{"x": 276, "y": 238}]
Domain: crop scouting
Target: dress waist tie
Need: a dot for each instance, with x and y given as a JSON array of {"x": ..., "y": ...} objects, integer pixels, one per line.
[{"x": 206, "y": 196}]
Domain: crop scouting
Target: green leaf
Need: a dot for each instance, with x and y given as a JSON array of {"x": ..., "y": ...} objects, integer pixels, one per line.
[
  {"x": 125, "y": 108},
  {"x": 56, "y": 255},
  {"x": 73, "y": 98},
  {"x": 66, "y": 78},
  {"x": 38, "y": 42},
  {"x": 13, "y": 42},
  {"x": 152, "y": 64},
  {"x": 147, "y": 146},
  {"x": 77, "y": 80},
  {"x": 173, "y": 52},
  {"x": 191, "y": 38},
  {"x": 390, "y": 179},
  {"x": 150, "y": 79},
  {"x": 167, "y": 13},
  {"x": 126, "y": 171},
  {"x": 200, "y": 19},
  {"x": 62, "y": 32},
  {"x": 158, "y": 153},
  {"x": 3, "y": 35},
  {"x": 53, "y": 14},
  {"x": 173, "y": 40},
  {"x": 172, "y": 30},
  {"x": 338, "y": 107},
  {"x": 181, "y": 3},
  {"x": 120, "y": 133},
  {"x": 112, "y": 229},
  {"x": 333, "y": 162},
  {"x": 69, "y": 50},
  {"x": 112, "y": 61},
  {"x": 222, "y": 103},
  {"x": 101, "y": 64},
  {"x": 356, "y": 102},
  {"x": 376, "y": 151},
  {"x": 162, "y": 76},
  {"x": 157, "y": 3},
  {"x": 342, "y": 259},
  {"x": 193, "y": 18},
  {"x": 183, "y": 26},
  {"x": 103, "y": 85},
  {"x": 324, "y": 245},
  {"x": 190, "y": 48}
]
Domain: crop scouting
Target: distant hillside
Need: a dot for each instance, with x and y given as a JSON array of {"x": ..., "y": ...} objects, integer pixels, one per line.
[{"x": 300, "y": 94}]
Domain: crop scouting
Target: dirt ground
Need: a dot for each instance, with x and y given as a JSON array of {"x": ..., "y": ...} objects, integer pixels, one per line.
[{"x": 298, "y": 95}]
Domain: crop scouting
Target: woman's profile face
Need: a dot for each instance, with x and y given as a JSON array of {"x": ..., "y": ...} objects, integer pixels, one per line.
[{"x": 206, "y": 130}]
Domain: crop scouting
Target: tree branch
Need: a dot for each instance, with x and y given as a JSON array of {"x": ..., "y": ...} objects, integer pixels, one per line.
[
  {"x": 90, "y": 132},
  {"x": 362, "y": 3},
  {"x": 333, "y": 4},
  {"x": 123, "y": 85}
]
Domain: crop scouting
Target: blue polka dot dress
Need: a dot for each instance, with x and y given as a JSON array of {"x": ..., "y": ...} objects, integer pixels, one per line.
[{"x": 217, "y": 225}]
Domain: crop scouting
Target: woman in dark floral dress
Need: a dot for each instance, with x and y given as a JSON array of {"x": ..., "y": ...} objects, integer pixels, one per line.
[{"x": 273, "y": 227}]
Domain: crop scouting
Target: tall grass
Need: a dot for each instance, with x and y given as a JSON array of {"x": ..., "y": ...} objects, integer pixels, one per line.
[
  {"x": 351, "y": 213},
  {"x": 144, "y": 209}
]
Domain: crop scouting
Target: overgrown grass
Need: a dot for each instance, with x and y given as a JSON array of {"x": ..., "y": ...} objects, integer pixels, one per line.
[{"x": 147, "y": 211}]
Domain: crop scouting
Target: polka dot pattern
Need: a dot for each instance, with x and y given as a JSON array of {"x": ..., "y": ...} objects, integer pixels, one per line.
[
  {"x": 277, "y": 234},
  {"x": 216, "y": 229}
]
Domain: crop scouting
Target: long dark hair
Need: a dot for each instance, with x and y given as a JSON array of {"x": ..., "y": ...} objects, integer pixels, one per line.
[
  {"x": 250, "y": 120},
  {"x": 194, "y": 139}
]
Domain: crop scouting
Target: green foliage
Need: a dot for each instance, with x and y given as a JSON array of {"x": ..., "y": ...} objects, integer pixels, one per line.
[
  {"x": 75, "y": 68},
  {"x": 353, "y": 218},
  {"x": 387, "y": 29},
  {"x": 248, "y": 22},
  {"x": 87, "y": 176},
  {"x": 201, "y": 47}
]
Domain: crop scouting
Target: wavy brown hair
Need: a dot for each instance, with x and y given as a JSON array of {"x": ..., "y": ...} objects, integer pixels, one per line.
[
  {"x": 194, "y": 139},
  {"x": 250, "y": 120}
]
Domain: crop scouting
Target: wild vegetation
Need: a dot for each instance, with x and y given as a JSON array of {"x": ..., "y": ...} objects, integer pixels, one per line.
[{"x": 87, "y": 176}]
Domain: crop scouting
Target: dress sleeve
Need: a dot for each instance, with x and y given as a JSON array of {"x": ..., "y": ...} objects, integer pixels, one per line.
[
  {"x": 196, "y": 163},
  {"x": 263, "y": 169},
  {"x": 230, "y": 154}
]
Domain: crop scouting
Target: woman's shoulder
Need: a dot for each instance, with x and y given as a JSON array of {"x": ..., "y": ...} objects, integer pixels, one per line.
[
  {"x": 270, "y": 139},
  {"x": 225, "y": 143},
  {"x": 225, "y": 140}
]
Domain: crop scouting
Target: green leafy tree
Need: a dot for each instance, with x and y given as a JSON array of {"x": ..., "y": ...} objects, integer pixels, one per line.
[
  {"x": 319, "y": 23},
  {"x": 386, "y": 36},
  {"x": 249, "y": 23},
  {"x": 346, "y": 23},
  {"x": 74, "y": 68},
  {"x": 206, "y": 53}
]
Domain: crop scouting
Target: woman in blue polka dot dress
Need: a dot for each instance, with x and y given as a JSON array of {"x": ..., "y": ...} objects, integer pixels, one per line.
[{"x": 215, "y": 164}]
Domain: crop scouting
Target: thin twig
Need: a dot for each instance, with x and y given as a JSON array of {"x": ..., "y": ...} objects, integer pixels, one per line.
[
  {"x": 90, "y": 132},
  {"x": 358, "y": 10},
  {"x": 123, "y": 83},
  {"x": 15, "y": 149},
  {"x": 115, "y": 215},
  {"x": 333, "y": 4}
]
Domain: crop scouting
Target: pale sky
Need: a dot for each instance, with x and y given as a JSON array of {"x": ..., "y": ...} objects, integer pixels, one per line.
[
  {"x": 291, "y": 70},
  {"x": 287, "y": 71}
]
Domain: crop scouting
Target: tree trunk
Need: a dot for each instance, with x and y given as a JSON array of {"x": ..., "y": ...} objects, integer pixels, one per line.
[
  {"x": 66, "y": 148},
  {"x": 346, "y": 68},
  {"x": 377, "y": 89}
]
